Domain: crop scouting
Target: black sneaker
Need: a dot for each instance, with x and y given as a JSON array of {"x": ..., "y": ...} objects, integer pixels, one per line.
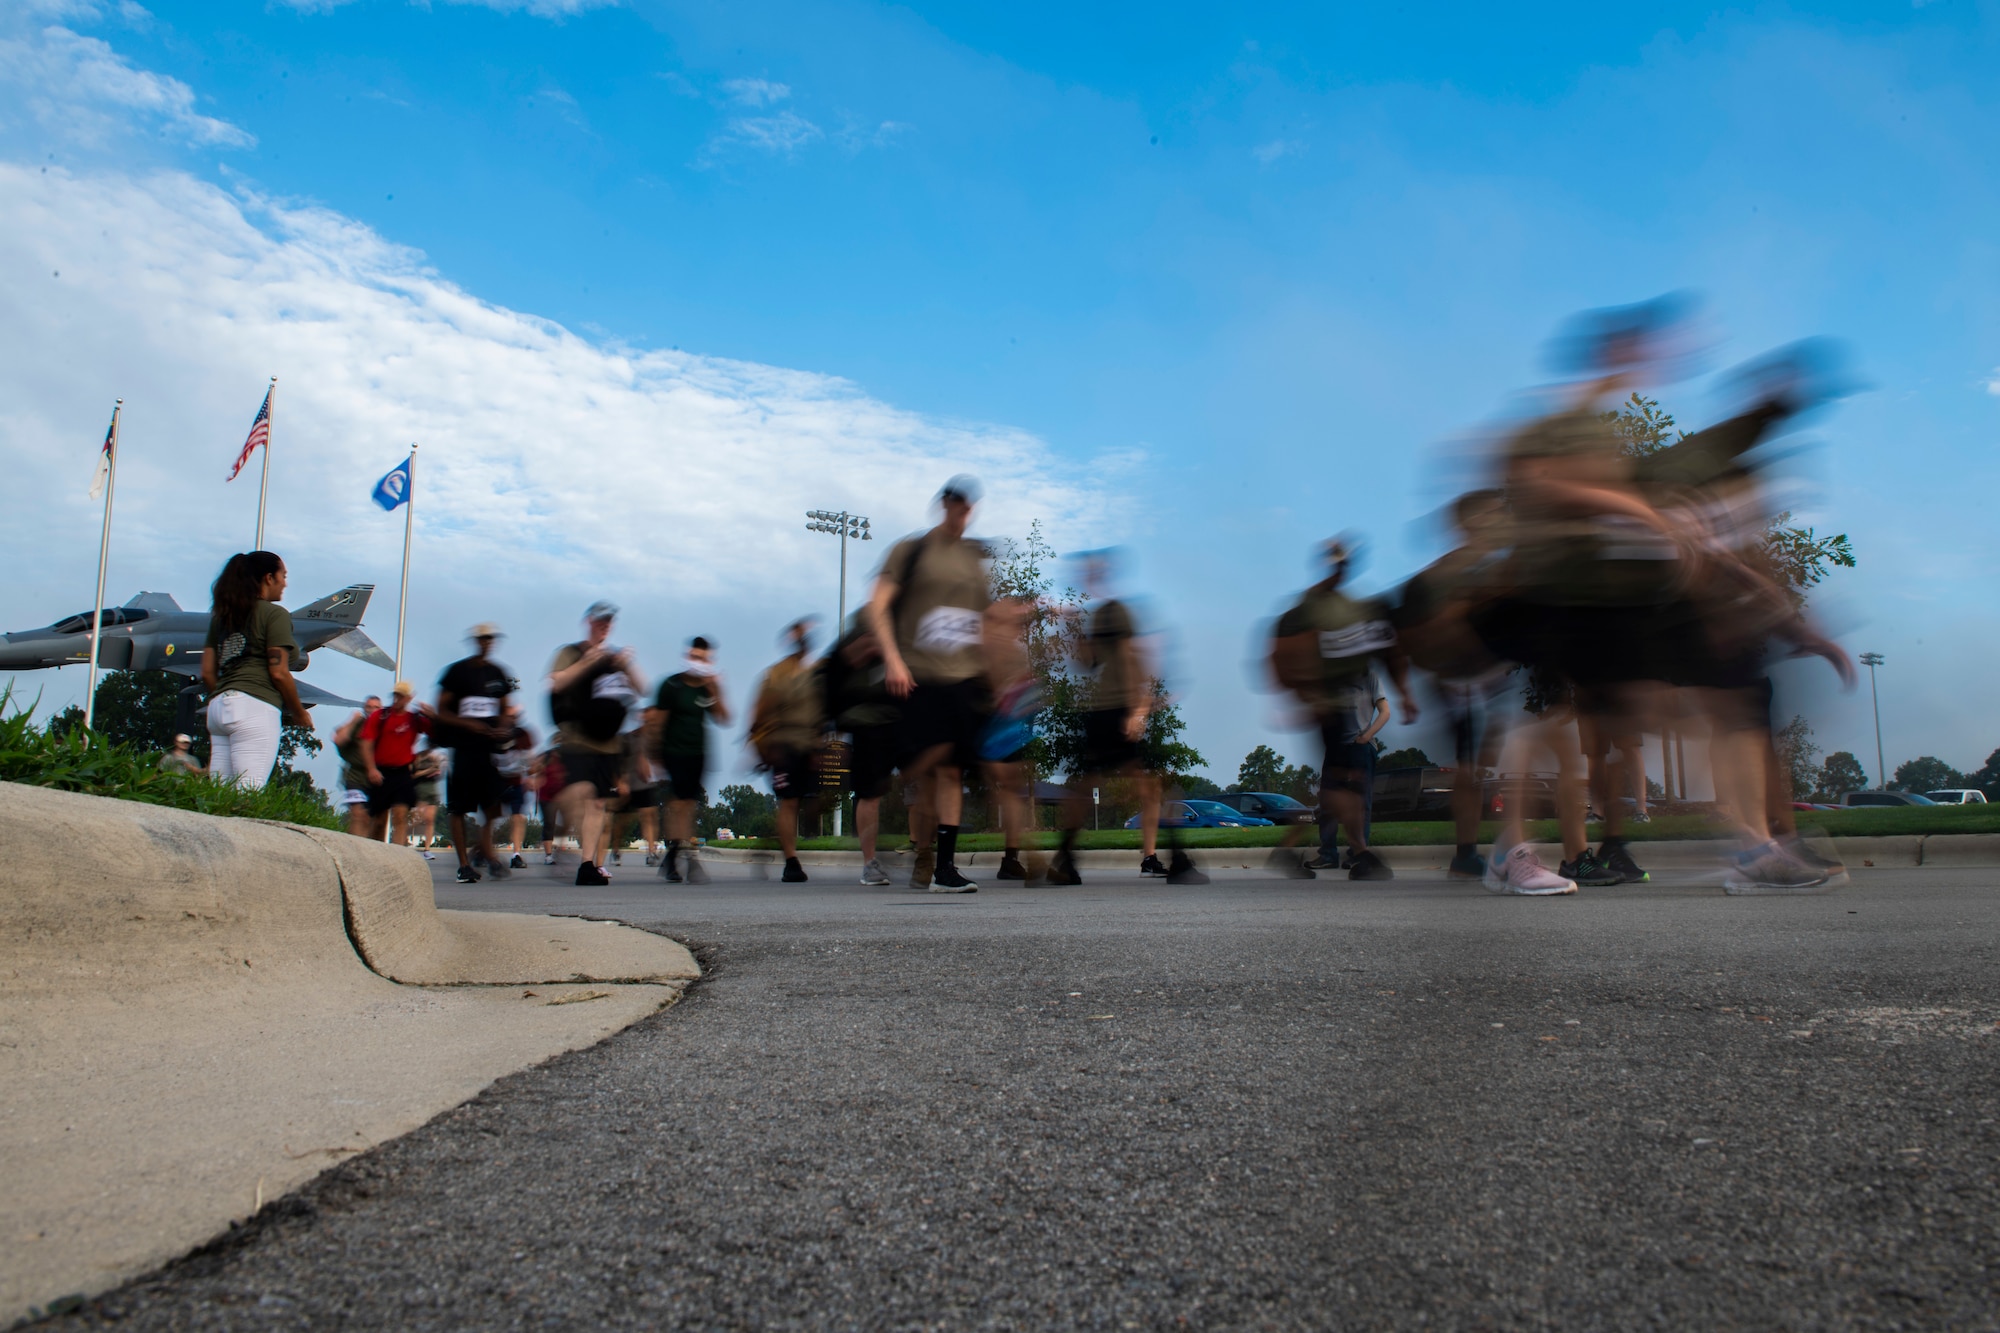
[
  {"x": 617, "y": 857},
  {"x": 515, "y": 862},
  {"x": 1151, "y": 866},
  {"x": 670, "y": 875},
  {"x": 1613, "y": 856},
  {"x": 1011, "y": 868},
  {"x": 467, "y": 875},
  {"x": 946, "y": 879},
  {"x": 1589, "y": 872},
  {"x": 1062, "y": 870},
  {"x": 1321, "y": 861},
  {"x": 589, "y": 875},
  {"x": 1287, "y": 861},
  {"x": 1182, "y": 871},
  {"x": 496, "y": 870},
  {"x": 1367, "y": 865},
  {"x": 794, "y": 872},
  {"x": 1472, "y": 866}
]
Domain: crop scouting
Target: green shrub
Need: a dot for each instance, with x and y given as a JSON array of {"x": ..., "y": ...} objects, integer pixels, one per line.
[{"x": 71, "y": 759}]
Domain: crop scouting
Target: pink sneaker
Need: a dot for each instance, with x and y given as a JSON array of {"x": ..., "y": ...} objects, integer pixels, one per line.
[{"x": 1522, "y": 872}]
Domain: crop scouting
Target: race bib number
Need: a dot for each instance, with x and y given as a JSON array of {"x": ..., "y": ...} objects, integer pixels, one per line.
[
  {"x": 355, "y": 796},
  {"x": 1370, "y": 636},
  {"x": 613, "y": 685},
  {"x": 947, "y": 629},
  {"x": 479, "y": 707}
]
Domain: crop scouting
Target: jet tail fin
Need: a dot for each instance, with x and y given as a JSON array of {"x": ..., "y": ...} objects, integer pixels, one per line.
[
  {"x": 342, "y": 608},
  {"x": 155, "y": 601},
  {"x": 356, "y": 644}
]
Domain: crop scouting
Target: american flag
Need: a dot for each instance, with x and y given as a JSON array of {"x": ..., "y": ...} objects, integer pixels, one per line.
[{"x": 260, "y": 433}]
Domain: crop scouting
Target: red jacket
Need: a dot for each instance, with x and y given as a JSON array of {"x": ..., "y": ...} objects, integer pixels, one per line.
[{"x": 393, "y": 732}]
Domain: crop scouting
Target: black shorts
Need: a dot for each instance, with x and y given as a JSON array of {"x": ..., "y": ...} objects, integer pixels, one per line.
[
  {"x": 684, "y": 775},
  {"x": 474, "y": 784},
  {"x": 396, "y": 788},
  {"x": 1105, "y": 749},
  {"x": 1590, "y": 646},
  {"x": 794, "y": 775},
  {"x": 640, "y": 798},
  {"x": 1345, "y": 761},
  {"x": 599, "y": 770},
  {"x": 872, "y": 761},
  {"x": 514, "y": 799},
  {"x": 953, "y": 715}
]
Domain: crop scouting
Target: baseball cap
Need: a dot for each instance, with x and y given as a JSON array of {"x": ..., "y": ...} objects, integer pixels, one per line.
[
  {"x": 485, "y": 629},
  {"x": 964, "y": 487},
  {"x": 404, "y": 687},
  {"x": 601, "y": 611},
  {"x": 182, "y": 738}
]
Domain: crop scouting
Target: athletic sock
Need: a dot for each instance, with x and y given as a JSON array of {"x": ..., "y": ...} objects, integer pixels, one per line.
[
  {"x": 673, "y": 850},
  {"x": 1012, "y": 853},
  {"x": 947, "y": 845},
  {"x": 1468, "y": 849},
  {"x": 1068, "y": 841}
]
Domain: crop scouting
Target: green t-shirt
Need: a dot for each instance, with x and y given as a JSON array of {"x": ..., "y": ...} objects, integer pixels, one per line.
[
  {"x": 686, "y": 701},
  {"x": 1105, "y": 644},
  {"x": 1350, "y": 632},
  {"x": 240, "y": 662}
]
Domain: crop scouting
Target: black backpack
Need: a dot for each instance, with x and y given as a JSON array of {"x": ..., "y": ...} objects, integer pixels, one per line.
[{"x": 576, "y": 708}]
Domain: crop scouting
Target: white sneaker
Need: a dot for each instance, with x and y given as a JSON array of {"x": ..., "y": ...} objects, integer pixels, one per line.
[
  {"x": 430, "y": 856},
  {"x": 1520, "y": 871},
  {"x": 873, "y": 874}
]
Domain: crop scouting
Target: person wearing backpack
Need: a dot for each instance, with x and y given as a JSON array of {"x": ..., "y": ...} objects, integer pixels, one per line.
[
  {"x": 592, "y": 687},
  {"x": 786, "y": 726},
  {"x": 1323, "y": 651}
]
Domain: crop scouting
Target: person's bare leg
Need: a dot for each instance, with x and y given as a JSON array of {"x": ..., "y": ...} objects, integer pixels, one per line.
[
  {"x": 649, "y": 828},
  {"x": 517, "y": 841},
  {"x": 1571, "y": 796},
  {"x": 867, "y": 825},
  {"x": 486, "y": 847},
  {"x": 1149, "y": 814},
  {"x": 582, "y": 816},
  {"x": 1351, "y": 810},
  {"x": 459, "y": 842},
  {"x": 399, "y": 825},
  {"x": 788, "y": 827},
  {"x": 359, "y": 821}
]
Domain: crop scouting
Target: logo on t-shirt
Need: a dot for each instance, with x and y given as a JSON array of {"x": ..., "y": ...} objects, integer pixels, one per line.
[{"x": 947, "y": 629}]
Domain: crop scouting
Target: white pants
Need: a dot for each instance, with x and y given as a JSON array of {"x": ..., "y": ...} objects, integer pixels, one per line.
[{"x": 242, "y": 738}]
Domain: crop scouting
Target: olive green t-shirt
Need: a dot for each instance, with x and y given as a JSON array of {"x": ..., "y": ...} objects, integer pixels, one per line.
[
  {"x": 942, "y": 606},
  {"x": 789, "y": 708},
  {"x": 606, "y": 681},
  {"x": 240, "y": 662},
  {"x": 1350, "y": 632},
  {"x": 1107, "y": 644},
  {"x": 1570, "y": 559}
]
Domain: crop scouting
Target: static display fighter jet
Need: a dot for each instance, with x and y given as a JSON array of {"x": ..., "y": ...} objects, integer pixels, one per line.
[{"x": 151, "y": 632}]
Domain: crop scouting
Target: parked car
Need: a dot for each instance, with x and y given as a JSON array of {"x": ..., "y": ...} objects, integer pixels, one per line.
[
  {"x": 1813, "y": 805},
  {"x": 1413, "y": 793},
  {"x": 1202, "y": 814},
  {"x": 1958, "y": 796},
  {"x": 1857, "y": 799},
  {"x": 1274, "y": 806},
  {"x": 1539, "y": 798}
]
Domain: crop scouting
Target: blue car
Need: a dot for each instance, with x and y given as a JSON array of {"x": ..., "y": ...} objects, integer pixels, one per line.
[{"x": 1202, "y": 814}]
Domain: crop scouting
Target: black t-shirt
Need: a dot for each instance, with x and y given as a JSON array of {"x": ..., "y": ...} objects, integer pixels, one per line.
[{"x": 480, "y": 687}]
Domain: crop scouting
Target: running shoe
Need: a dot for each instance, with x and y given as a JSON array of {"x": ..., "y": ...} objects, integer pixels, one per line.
[
  {"x": 429, "y": 855},
  {"x": 515, "y": 862},
  {"x": 617, "y": 857},
  {"x": 872, "y": 873},
  {"x": 495, "y": 869},
  {"x": 1520, "y": 871},
  {"x": 1468, "y": 866},
  {"x": 1287, "y": 862},
  {"x": 1011, "y": 868},
  {"x": 920, "y": 873},
  {"x": 697, "y": 873},
  {"x": 1589, "y": 872},
  {"x": 1771, "y": 869},
  {"x": 652, "y": 858},
  {"x": 670, "y": 875},
  {"x": 1062, "y": 870},
  {"x": 948, "y": 880},
  {"x": 548, "y": 858},
  {"x": 589, "y": 875},
  {"x": 467, "y": 875},
  {"x": 794, "y": 872},
  {"x": 1181, "y": 870},
  {"x": 1798, "y": 849},
  {"x": 1367, "y": 865},
  {"x": 1151, "y": 866},
  {"x": 1321, "y": 861},
  {"x": 1613, "y": 855}
]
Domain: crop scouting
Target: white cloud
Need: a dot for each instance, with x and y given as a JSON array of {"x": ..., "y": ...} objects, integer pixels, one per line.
[
  {"x": 1267, "y": 153},
  {"x": 755, "y": 92},
  {"x": 784, "y": 133},
  {"x": 1993, "y": 382},
  {"x": 553, "y": 469},
  {"x": 80, "y": 88},
  {"x": 548, "y": 9}
]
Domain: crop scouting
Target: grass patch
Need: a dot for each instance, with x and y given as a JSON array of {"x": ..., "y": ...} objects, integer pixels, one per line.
[
  {"x": 80, "y": 762},
  {"x": 1908, "y": 819}
]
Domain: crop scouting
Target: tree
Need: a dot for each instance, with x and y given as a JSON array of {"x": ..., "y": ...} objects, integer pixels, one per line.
[
  {"x": 1987, "y": 779},
  {"x": 743, "y": 810},
  {"x": 1409, "y": 757},
  {"x": 1927, "y": 774},
  {"x": 142, "y": 708},
  {"x": 1195, "y": 787},
  {"x": 1841, "y": 774},
  {"x": 1642, "y": 426},
  {"x": 1259, "y": 770},
  {"x": 68, "y": 720},
  {"x": 1796, "y": 753}
]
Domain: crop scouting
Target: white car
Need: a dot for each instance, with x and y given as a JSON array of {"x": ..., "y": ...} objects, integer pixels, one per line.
[{"x": 1958, "y": 796}]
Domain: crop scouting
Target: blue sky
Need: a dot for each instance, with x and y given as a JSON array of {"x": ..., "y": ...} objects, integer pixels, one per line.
[{"x": 1211, "y": 282}]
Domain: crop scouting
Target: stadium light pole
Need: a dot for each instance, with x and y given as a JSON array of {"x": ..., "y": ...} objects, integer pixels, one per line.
[
  {"x": 1871, "y": 661},
  {"x": 848, "y": 527}
]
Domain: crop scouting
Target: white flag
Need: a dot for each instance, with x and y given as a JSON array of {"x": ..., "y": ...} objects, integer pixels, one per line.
[{"x": 104, "y": 459}]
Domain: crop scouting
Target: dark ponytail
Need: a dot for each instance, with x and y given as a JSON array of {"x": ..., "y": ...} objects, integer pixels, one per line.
[{"x": 234, "y": 595}]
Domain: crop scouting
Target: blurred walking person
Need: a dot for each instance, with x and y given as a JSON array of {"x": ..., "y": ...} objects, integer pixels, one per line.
[
  {"x": 515, "y": 762},
  {"x": 689, "y": 702},
  {"x": 473, "y": 719},
  {"x": 928, "y": 611},
  {"x": 592, "y": 687},
  {"x": 388, "y": 751},
  {"x": 247, "y": 664},
  {"x": 353, "y": 772},
  {"x": 859, "y": 704},
  {"x": 786, "y": 726}
]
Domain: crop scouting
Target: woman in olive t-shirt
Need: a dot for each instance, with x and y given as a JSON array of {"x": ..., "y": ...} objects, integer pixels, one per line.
[{"x": 247, "y": 666}]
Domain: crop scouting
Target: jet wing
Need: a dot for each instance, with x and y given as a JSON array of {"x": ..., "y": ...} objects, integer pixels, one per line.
[
  {"x": 358, "y": 645},
  {"x": 310, "y": 695}
]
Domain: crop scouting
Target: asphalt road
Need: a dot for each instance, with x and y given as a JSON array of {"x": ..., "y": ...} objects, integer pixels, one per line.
[{"x": 1256, "y": 1104}]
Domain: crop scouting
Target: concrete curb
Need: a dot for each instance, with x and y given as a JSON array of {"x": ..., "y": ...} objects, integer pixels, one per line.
[{"x": 1970, "y": 850}]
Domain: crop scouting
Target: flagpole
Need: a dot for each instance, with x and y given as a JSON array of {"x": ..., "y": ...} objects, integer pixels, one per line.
[
  {"x": 103, "y": 550},
  {"x": 264, "y": 486},
  {"x": 409, "y": 522}
]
